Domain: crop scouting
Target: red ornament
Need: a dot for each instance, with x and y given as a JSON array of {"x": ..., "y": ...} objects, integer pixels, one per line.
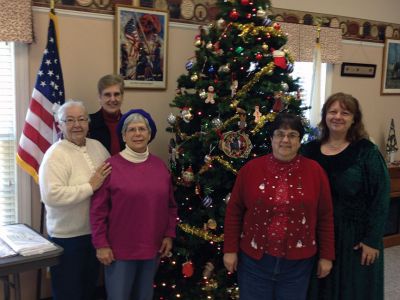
[
  {"x": 277, "y": 26},
  {"x": 244, "y": 2},
  {"x": 187, "y": 269},
  {"x": 234, "y": 15},
  {"x": 259, "y": 56},
  {"x": 278, "y": 105},
  {"x": 248, "y": 16}
]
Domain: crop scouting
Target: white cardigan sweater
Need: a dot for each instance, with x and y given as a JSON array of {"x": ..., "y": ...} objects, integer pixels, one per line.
[{"x": 64, "y": 186}]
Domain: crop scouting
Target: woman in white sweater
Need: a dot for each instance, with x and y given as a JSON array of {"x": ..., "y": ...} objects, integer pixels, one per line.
[{"x": 71, "y": 170}]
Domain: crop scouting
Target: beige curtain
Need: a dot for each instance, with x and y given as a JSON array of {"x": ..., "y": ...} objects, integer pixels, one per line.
[
  {"x": 301, "y": 42},
  {"x": 16, "y": 21}
]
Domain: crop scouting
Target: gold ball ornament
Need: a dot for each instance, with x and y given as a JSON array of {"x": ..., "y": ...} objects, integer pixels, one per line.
[
  {"x": 212, "y": 224},
  {"x": 198, "y": 43},
  {"x": 194, "y": 77}
]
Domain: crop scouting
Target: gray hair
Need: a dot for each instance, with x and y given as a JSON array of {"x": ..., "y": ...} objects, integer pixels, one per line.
[
  {"x": 70, "y": 103},
  {"x": 135, "y": 118},
  {"x": 110, "y": 80}
]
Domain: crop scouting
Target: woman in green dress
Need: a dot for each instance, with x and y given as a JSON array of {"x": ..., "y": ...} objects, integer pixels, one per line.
[{"x": 360, "y": 187}]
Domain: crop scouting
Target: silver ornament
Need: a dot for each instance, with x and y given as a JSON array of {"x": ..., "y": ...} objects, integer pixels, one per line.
[
  {"x": 171, "y": 119},
  {"x": 260, "y": 13},
  {"x": 221, "y": 24},
  {"x": 285, "y": 86},
  {"x": 186, "y": 115},
  {"x": 216, "y": 122},
  {"x": 203, "y": 94}
]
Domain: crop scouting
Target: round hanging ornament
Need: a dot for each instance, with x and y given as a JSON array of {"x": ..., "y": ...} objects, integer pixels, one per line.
[
  {"x": 235, "y": 144},
  {"x": 234, "y": 15},
  {"x": 187, "y": 269}
]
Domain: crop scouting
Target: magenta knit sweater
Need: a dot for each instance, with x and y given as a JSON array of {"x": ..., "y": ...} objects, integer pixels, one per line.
[{"x": 134, "y": 209}]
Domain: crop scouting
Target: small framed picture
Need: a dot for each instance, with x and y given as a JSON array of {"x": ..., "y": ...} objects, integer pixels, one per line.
[
  {"x": 358, "y": 70},
  {"x": 141, "y": 46},
  {"x": 391, "y": 67}
]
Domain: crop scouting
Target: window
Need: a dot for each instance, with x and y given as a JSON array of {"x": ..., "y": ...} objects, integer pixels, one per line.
[
  {"x": 8, "y": 207},
  {"x": 304, "y": 70},
  {"x": 14, "y": 184}
]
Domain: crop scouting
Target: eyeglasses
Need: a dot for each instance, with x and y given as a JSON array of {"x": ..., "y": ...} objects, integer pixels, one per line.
[
  {"x": 281, "y": 135},
  {"x": 71, "y": 121}
]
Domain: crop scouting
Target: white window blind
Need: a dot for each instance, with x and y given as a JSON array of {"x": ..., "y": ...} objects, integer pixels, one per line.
[
  {"x": 8, "y": 192},
  {"x": 304, "y": 70}
]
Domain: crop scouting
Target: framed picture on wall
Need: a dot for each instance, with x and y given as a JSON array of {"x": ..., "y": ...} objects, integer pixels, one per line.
[
  {"x": 391, "y": 67},
  {"x": 141, "y": 46}
]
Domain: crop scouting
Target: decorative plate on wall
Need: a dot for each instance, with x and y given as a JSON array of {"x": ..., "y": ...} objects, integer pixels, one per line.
[
  {"x": 334, "y": 23},
  {"x": 353, "y": 28},
  {"x": 102, "y": 3},
  {"x": 308, "y": 19},
  {"x": 84, "y": 2},
  {"x": 343, "y": 26},
  {"x": 374, "y": 31},
  {"x": 291, "y": 19},
  {"x": 187, "y": 9},
  {"x": 367, "y": 29},
  {"x": 200, "y": 12},
  {"x": 388, "y": 31}
]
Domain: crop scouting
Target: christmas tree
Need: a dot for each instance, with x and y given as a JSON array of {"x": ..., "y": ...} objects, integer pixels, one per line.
[
  {"x": 235, "y": 85},
  {"x": 391, "y": 143}
]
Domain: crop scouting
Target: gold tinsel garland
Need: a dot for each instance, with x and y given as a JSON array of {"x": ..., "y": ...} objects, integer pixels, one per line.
[
  {"x": 270, "y": 117},
  {"x": 226, "y": 164},
  {"x": 267, "y": 70},
  {"x": 250, "y": 29},
  {"x": 200, "y": 232}
]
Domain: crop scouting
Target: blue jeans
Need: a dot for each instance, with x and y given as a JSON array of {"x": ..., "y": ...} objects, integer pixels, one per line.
[
  {"x": 273, "y": 278},
  {"x": 131, "y": 279},
  {"x": 75, "y": 277}
]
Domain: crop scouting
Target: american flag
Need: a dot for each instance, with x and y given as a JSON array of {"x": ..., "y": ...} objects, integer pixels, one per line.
[
  {"x": 40, "y": 128},
  {"x": 131, "y": 32}
]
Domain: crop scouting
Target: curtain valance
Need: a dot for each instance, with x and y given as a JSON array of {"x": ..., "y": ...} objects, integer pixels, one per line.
[
  {"x": 302, "y": 39},
  {"x": 16, "y": 21}
]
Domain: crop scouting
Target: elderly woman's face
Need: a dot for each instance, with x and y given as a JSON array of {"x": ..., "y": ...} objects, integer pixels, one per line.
[
  {"x": 285, "y": 143},
  {"x": 75, "y": 125},
  {"x": 137, "y": 136}
]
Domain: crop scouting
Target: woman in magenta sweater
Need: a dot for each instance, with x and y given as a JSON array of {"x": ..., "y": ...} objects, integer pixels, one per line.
[
  {"x": 133, "y": 215},
  {"x": 278, "y": 217}
]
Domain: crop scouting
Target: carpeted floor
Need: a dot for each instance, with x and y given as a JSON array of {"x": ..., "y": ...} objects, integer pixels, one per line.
[{"x": 392, "y": 273}]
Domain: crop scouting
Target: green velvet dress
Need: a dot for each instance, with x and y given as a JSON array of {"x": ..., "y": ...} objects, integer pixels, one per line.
[{"x": 360, "y": 187}]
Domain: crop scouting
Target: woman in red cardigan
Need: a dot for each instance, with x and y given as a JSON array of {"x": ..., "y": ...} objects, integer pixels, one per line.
[{"x": 278, "y": 217}]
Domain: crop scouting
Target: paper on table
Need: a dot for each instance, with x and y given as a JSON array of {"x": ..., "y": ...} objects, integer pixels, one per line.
[
  {"x": 5, "y": 250},
  {"x": 24, "y": 240}
]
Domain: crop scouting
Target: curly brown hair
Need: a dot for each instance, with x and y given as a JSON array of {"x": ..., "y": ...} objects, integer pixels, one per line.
[{"x": 357, "y": 130}]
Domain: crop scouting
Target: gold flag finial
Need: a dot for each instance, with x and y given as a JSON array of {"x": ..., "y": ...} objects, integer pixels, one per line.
[{"x": 52, "y": 6}]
